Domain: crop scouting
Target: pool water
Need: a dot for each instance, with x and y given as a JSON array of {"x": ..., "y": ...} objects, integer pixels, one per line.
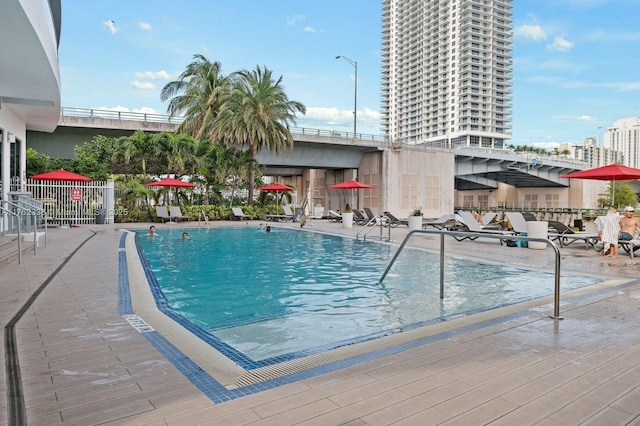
[{"x": 290, "y": 291}]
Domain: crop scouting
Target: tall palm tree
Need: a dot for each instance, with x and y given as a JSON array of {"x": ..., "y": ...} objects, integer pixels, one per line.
[
  {"x": 256, "y": 115},
  {"x": 198, "y": 94}
]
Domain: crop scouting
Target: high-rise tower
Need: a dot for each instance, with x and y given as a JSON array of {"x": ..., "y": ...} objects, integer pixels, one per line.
[{"x": 446, "y": 71}]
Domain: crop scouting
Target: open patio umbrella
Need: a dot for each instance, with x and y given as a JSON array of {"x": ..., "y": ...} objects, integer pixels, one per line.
[
  {"x": 62, "y": 175},
  {"x": 611, "y": 172},
  {"x": 171, "y": 183},
  {"x": 276, "y": 187},
  {"x": 351, "y": 184}
]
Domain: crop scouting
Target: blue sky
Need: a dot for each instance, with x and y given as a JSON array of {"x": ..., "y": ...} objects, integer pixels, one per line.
[{"x": 576, "y": 62}]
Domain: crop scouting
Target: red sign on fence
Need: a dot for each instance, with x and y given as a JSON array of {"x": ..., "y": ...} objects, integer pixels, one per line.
[{"x": 76, "y": 194}]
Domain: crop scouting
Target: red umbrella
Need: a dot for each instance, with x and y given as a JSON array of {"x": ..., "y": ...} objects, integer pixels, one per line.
[
  {"x": 62, "y": 176},
  {"x": 351, "y": 184},
  {"x": 172, "y": 183},
  {"x": 612, "y": 172},
  {"x": 276, "y": 187}
]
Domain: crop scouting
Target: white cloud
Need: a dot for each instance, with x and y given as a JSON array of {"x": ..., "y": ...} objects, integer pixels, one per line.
[
  {"x": 143, "y": 86},
  {"x": 292, "y": 20},
  {"x": 586, "y": 118},
  {"x": 560, "y": 44},
  {"x": 112, "y": 26},
  {"x": 530, "y": 32},
  {"x": 309, "y": 30},
  {"x": 163, "y": 75},
  {"x": 145, "y": 26},
  {"x": 341, "y": 120}
]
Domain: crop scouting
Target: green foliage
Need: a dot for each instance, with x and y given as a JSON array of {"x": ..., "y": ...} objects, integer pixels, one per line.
[
  {"x": 39, "y": 163},
  {"x": 416, "y": 212},
  {"x": 623, "y": 195}
]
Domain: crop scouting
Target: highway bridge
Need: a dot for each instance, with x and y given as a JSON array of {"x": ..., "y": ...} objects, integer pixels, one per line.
[{"x": 475, "y": 168}]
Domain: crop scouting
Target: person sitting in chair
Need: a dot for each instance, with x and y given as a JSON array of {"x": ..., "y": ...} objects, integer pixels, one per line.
[{"x": 629, "y": 224}]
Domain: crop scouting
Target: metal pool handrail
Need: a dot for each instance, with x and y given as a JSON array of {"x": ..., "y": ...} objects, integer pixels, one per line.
[
  {"x": 442, "y": 233},
  {"x": 377, "y": 220},
  {"x": 7, "y": 211}
]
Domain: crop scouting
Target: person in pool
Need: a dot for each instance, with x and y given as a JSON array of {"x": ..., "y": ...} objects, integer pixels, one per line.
[
  {"x": 152, "y": 231},
  {"x": 185, "y": 236}
]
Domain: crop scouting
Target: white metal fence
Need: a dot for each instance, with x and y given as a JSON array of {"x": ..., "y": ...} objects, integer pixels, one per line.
[{"x": 74, "y": 203}]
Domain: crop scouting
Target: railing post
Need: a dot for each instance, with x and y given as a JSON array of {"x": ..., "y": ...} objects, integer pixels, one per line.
[{"x": 441, "y": 266}]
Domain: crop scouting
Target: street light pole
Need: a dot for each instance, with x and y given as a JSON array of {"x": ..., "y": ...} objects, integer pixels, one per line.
[{"x": 355, "y": 92}]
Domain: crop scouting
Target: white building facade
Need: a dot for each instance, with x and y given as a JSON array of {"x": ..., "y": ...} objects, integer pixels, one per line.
[
  {"x": 446, "y": 72},
  {"x": 624, "y": 136},
  {"x": 29, "y": 81},
  {"x": 592, "y": 154}
]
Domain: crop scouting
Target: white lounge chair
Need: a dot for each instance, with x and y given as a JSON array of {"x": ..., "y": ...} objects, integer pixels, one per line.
[
  {"x": 333, "y": 216},
  {"x": 176, "y": 213},
  {"x": 162, "y": 213},
  {"x": 289, "y": 213},
  {"x": 518, "y": 222},
  {"x": 473, "y": 225},
  {"x": 441, "y": 222},
  {"x": 239, "y": 214}
]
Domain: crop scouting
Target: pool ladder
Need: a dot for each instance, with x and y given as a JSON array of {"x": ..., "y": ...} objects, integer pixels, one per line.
[
  {"x": 443, "y": 232},
  {"x": 380, "y": 221}
]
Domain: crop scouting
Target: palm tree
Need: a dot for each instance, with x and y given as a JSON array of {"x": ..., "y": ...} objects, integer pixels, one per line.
[
  {"x": 198, "y": 94},
  {"x": 137, "y": 148},
  {"x": 257, "y": 116}
]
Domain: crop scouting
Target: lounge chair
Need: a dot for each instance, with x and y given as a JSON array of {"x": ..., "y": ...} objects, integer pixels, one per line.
[
  {"x": 488, "y": 217},
  {"x": 518, "y": 222},
  {"x": 162, "y": 213},
  {"x": 441, "y": 222},
  {"x": 176, "y": 213},
  {"x": 630, "y": 246},
  {"x": 288, "y": 215},
  {"x": 359, "y": 218},
  {"x": 529, "y": 217},
  {"x": 472, "y": 225},
  {"x": 333, "y": 217},
  {"x": 566, "y": 236},
  {"x": 372, "y": 219},
  {"x": 239, "y": 214},
  {"x": 390, "y": 220}
]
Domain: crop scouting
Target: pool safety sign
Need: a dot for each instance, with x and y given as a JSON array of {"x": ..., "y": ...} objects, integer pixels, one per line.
[{"x": 76, "y": 194}]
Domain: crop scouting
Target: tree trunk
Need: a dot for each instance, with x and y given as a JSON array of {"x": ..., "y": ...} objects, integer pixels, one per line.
[{"x": 252, "y": 176}]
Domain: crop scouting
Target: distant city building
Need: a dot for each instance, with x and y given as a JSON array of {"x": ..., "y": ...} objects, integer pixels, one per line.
[
  {"x": 624, "y": 136},
  {"x": 446, "y": 72},
  {"x": 591, "y": 153}
]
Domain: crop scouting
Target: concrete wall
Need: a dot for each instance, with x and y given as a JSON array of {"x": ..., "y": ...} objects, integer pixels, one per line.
[
  {"x": 581, "y": 194},
  {"x": 417, "y": 177}
]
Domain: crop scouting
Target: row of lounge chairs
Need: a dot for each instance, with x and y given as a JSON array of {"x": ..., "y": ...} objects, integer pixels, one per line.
[
  {"x": 238, "y": 214},
  {"x": 558, "y": 231},
  {"x": 172, "y": 214}
]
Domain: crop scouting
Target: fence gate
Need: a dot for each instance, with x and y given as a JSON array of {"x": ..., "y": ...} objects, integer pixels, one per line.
[{"x": 74, "y": 203}]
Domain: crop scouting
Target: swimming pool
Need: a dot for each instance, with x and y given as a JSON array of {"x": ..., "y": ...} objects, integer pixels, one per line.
[{"x": 289, "y": 293}]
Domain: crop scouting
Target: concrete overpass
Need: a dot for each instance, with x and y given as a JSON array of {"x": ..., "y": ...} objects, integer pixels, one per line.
[{"x": 475, "y": 168}]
